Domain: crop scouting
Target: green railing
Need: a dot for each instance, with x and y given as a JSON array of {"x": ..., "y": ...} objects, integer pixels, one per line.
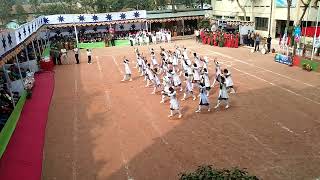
[{"x": 10, "y": 126}]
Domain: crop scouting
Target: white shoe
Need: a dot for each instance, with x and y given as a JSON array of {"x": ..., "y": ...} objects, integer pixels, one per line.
[
  {"x": 130, "y": 80},
  {"x": 122, "y": 80},
  {"x": 183, "y": 99},
  {"x": 227, "y": 106},
  {"x": 197, "y": 111},
  {"x": 161, "y": 102},
  {"x": 216, "y": 107},
  {"x": 209, "y": 110},
  {"x": 194, "y": 98},
  {"x": 180, "y": 116},
  {"x": 170, "y": 115}
]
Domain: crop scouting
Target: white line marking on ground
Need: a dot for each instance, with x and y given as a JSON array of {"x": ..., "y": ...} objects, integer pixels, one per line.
[
  {"x": 286, "y": 128},
  {"x": 98, "y": 63},
  {"x": 250, "y": 64},
  {"x": 285, "y": 89},
  {"x": 75, "y": 133}
]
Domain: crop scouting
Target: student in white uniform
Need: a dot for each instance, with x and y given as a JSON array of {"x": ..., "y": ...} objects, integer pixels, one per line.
[
  {"x": 175, "y": 62},
  {"x": 174, "y": 104},
  {"x": 217, "y": 73},
  {"x": 188, "y": 88},
  {"x": 185, "y": 53},
  {"x": 154, "y": 60},
  {"x": 206, "y": 80},
  {"x": 156, "y": 81},
  {"x": 146, "y": 39},
  {"x": 196, "y": 73},
  {"x": 140, "y": 40},
  {"x": 223, "y": 94},
  {"x": 154, "y": 39},
  {"x": 150, "y": 75},
  {"x": 205, "y": 62},
  {"x": 169, "y": 36},
  {"x": 166, "y": 85},
  {"x": 127, "y": 71},
  {"x": 176, "y": 80},
  {"x": 204, "y": 101},
  {"x": 229, "y": 82},
  {"x": 163, "y": 37},
  {"x": 89, "y": 54}
]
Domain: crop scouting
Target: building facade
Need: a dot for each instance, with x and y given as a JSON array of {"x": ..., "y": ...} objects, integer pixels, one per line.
[{"x": 261, "y": 11}]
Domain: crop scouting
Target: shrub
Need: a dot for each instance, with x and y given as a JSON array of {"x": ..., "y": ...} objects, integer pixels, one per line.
[{"x": 208, "y": 172}]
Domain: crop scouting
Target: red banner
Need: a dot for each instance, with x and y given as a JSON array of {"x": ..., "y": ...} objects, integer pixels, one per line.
[{"x": 309, "y": 31}]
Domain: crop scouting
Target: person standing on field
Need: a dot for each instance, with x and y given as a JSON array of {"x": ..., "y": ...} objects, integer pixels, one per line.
[
  {"x": 76, "y": 55},
  {"x": 89, "y": 54}
]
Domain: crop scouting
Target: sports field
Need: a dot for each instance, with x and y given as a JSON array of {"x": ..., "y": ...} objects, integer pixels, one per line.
[{"x": 100, "y": 128}]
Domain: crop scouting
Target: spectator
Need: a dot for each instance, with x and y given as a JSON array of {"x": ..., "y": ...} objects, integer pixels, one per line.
[
  {"x": 257, "y": 42},
  {"x": 269, "y": 43}
]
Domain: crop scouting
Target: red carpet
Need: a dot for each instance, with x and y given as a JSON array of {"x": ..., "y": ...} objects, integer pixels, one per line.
[{"x": 23, "y": 157}]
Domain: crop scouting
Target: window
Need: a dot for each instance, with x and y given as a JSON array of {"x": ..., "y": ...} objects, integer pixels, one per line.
[{"x": 262, "y": 23}]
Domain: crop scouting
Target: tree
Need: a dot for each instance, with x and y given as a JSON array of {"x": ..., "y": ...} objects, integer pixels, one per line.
[
  {"x": 35, "y": 6},
  {"x": 242, "y": 9},
  {"x": 21, "y": 14},
  {"x": 5, "y": 10},
  {"x": 173, "y": 6},
  {"x": 304, "y": 10},
  {"x": 289, "y": 3}
]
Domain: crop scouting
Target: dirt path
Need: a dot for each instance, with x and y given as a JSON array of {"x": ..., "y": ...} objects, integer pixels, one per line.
[{"x": 100, "y": 128}]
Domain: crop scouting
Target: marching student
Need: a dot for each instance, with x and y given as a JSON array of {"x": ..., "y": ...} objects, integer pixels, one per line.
[
  {"x": 205, "y": 80},
  {"x": 174, "y": 104},
  {"x": 223, "y": 94},
  {"x": 150, "y": 75},
  {"x": 127, "y": 71},
  {"x": 196, "y": 74},
  {"x": 89, "y": 54},
  {"x": 154, "y": 60},
  {"x": 176, "y": 79},
  {"x": 217, "y": 73},
  {"x": 188, "y": 88},
  {"x": 229, "y": 82},
  {"x": 204, "y": 101},
  {"x": 205, "y": 62},
  {"x": 156, "y": 81},
  {"x": 166, "y": 85},
  {"x": 185, "y": 53},
  {"x": 175, "y": 62}
]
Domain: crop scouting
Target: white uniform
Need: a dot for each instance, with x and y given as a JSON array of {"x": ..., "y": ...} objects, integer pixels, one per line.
[
  {"x": 156, "y": 80},
  {"x": 154, "y": 39},
  {"x": 174, "y": 104},
  {"x": 229, "y": 82},
  {"x": 204, "y": 101},
  {"x": 196, "y": 75},
  {"x": 185, "y": 54},
  {"x": 176, "y": 79},
  {"x": 206, "y": 62},
  {"x": 149, "y": 73},
  {"x": 206, "y": 80},
  {"x": 223, "y": 94},
  {"x": 169, "y": 37},
  {"x": 127, "y": 69},
  {"x": 189, "y": 87},
  {"x": 154, "y": 60},
  {"x": 175, "y": 61}
]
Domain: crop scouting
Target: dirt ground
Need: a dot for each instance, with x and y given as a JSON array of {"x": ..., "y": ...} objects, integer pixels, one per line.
[{"x": 100, "y": 128}]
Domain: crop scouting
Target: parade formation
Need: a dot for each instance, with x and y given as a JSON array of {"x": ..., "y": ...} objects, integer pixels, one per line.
[{"x": 180, "y": 74}]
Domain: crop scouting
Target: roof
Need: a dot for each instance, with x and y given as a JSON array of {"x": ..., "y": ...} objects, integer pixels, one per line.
[{"x": 169, "y": 14}]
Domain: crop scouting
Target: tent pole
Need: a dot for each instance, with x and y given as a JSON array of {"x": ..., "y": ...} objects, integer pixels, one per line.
[{"x": 315, "y": 35}]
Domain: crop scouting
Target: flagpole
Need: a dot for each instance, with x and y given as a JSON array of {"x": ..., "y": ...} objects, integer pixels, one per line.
[{"x": 315, "y": 35}]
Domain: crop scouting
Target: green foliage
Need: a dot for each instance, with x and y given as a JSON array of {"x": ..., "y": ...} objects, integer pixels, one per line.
[
  {"x": 205, "y": 23},
  {"x": 21, "y": 14},
  {"x": 209, "y": 173},
  {"x": 5, "y": 10}
]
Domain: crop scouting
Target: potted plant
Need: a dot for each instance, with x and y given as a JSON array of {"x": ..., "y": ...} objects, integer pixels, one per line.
[{"x": 208, "y": 172}]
